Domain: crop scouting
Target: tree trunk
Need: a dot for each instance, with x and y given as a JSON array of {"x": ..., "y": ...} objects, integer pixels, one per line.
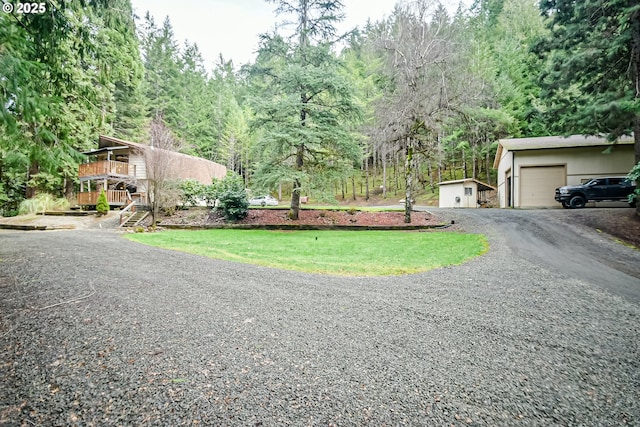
[
  {"x": 366, "y": 179},
  {"x": 464, "y": 165},
  {"x": 395, "y": 173},
  {"x": 635, "y": 71},
  {"x": 34, "y": 168},
  {"x": 636, "y": 138},
  {"x": 408, "y": 178},
  {"x": 474, "y": 164},
  {"x": 68, "y": 188},
  {"x": 353, "y": 185},
  {"x": 488, "y": 163},
  {"x": 384, "y": 176},
  {"x": 295, "y": 194}
]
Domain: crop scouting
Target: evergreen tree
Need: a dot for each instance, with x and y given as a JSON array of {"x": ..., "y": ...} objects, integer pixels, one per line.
[
  {"x": 161, "y": 59},
  {"x": 305, "y": 103},
  {"x": 102, "y": 205},
  {"x": 119, "y": 56},
  {"x": 194, "y": 123},
  {"x": 57, "y": 81},
  {"x": 592, "y": 77}
]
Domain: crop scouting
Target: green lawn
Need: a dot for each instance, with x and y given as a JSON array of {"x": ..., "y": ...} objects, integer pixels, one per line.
[{"x": 350, "y": 253}]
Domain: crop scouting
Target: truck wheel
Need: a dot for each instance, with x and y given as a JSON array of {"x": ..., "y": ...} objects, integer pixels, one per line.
[{"x": 577, "y": 202}]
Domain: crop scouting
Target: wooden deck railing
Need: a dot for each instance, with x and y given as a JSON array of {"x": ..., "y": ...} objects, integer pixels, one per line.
[
  {"x": 114, "y": 197},
  {"x": 103, "y": 167}
]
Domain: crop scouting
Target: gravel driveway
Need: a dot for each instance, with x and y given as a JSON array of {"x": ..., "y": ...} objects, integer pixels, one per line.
[{"x": 97, "y": 330}]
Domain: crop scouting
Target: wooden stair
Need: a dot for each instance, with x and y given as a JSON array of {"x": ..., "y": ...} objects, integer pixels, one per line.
[{"x": 135, "y": 218}]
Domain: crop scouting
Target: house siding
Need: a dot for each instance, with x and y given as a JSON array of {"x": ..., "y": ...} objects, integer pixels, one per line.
[{"x": 180, "y": 166}]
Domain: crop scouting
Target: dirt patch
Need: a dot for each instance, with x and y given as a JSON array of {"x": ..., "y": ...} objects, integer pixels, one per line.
[
  {"x": 621, "y": 223},
  {"x": 201, "y": 217},
  {"x": 61, "y": 222}
]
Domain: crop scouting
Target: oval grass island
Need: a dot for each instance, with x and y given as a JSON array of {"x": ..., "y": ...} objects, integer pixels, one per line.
[{"x": 346, "y": 253}]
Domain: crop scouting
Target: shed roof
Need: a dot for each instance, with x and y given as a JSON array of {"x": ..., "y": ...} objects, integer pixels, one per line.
[{"x": 482, "y": 186}]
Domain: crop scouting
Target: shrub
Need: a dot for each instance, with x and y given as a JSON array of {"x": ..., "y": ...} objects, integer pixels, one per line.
[
  {"x": 191, "y": 191},
  {"x": 210, "y": 194},
  {"x": 233, "y": 197},
  {"x": 102, "y": 205},
  {"x": 43, "y": 202}
]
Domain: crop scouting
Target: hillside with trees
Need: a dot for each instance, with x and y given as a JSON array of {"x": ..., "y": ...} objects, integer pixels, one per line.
[{"x": 389, "y": 109}]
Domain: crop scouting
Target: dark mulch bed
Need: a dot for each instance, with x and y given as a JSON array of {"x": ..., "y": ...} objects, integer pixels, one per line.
[{"x": 268, "y": 217}]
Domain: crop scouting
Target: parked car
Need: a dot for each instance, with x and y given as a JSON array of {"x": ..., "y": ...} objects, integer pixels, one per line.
[
  {"x": 263, "y": 201},
  {"x": 610, "y": 188}
]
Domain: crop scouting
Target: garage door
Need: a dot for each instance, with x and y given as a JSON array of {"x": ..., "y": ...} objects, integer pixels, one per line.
[{"x": 538, "y": 185}]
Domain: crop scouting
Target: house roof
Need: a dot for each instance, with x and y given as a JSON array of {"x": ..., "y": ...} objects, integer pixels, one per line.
[
  {"x": 104, "y": 150},
  {"x": 183, "y": 166},
  {"x": 109, "y": 141},
  {"x": 482, "y": 186},
  {"x": 554, "y": 142}
]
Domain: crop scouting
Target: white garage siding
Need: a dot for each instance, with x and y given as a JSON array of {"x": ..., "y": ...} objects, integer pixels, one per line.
[
  {"x": 538, "y": 184},
  {"x": 535, "y": 165}
]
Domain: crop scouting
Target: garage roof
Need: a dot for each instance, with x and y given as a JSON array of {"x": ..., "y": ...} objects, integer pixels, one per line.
[{"x": 518, "y": 144}]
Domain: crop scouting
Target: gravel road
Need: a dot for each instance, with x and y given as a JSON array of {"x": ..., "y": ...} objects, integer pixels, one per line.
[{"x": 97, "y": 330}]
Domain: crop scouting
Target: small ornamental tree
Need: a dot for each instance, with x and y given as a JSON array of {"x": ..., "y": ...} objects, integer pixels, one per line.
[{"x": 102, "y": 205}]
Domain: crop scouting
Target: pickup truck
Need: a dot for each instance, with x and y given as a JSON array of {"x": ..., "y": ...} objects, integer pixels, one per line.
[{"x": 610, "y": 188}]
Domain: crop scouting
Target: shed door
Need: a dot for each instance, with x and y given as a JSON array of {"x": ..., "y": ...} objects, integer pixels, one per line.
[{"x": 538, "y": 185}]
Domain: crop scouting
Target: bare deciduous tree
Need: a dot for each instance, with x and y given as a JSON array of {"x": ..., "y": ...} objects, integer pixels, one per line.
[
  {"x": 158, "y": 160},
  {"x": 419, "y": 50}
]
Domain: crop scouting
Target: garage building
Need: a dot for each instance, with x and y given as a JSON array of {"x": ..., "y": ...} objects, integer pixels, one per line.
[{"x": 530, "y": 169}]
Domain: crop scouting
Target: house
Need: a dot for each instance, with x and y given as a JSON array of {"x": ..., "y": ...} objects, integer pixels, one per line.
[
  {"x": 463, "y": 193},
  {"x": 119, "y": 167},
  {"x": 530, "y": 169}
]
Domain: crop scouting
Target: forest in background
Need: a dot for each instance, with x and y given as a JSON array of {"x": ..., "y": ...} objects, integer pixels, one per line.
[{"x": 402, "y": 103}]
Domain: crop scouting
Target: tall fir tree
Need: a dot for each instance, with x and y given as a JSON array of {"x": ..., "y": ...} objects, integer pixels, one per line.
[
  {"x": 306, "y": 103},
  {"x": 58, "y": 88},
  {"x": 592, "y": 81}
]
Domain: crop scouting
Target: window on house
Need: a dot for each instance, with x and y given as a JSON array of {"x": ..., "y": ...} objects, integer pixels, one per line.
[{"x": 468, "y": 191}]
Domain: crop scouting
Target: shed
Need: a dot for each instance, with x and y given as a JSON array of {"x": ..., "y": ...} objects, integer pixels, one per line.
[
  {"x": 463, "y": 193},
  {"x": 530, "y": 169}
]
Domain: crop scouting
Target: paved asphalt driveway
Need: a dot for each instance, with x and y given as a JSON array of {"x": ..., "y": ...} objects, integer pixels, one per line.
[{"x": 542, "y": 330}]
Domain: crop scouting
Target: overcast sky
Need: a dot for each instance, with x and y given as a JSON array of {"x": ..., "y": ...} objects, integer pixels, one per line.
[{"x": 231, "y": 27}]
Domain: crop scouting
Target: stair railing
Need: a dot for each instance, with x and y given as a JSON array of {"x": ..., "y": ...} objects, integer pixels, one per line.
[{"x": 131, "y": 207}]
